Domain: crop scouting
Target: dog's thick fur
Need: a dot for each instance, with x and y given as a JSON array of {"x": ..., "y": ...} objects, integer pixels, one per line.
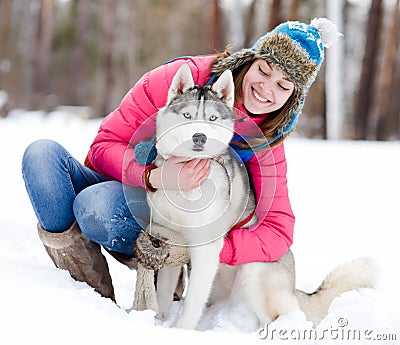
[{"x": 198, "y": 122}]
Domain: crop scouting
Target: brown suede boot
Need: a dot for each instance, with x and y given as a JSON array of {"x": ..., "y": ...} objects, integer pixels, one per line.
[{"x": 72, "y": 251}]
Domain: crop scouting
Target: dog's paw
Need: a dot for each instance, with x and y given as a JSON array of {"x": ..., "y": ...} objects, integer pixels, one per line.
[{"x": 161, "y": 316}]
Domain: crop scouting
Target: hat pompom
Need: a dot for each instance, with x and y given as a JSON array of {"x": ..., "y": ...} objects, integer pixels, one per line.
[{"x": 327, "y": 30}]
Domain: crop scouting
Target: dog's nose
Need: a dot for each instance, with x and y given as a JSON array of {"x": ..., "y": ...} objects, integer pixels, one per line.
[{"x": 199, "y": 139}]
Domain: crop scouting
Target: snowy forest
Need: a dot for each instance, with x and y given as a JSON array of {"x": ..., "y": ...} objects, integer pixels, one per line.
[{"x": 88, "y": 53}]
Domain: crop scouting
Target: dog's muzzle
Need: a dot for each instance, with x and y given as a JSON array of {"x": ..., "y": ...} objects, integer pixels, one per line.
[{"x": 199, "y": 140}]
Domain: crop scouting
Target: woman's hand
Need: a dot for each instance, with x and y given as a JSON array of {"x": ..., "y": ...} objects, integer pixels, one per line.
[{"x": 180, "y": 173}]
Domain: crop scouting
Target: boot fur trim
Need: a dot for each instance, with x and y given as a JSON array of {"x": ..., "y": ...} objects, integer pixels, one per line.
[{"x": 55, "y": 240}]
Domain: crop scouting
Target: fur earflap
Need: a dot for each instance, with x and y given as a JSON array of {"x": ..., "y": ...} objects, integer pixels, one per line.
[{"x": 234, "y": 61}]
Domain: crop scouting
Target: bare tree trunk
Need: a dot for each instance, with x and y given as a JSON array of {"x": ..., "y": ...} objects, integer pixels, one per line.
[
  {"x": 109, "y": 24},
  {"x": 387, "y": 77},
  {"x": 79, "y": 59},
  {"x": 250, "y": 24},
  {"x": 131, "y": 29},
  {"x": 215, "y": 36},
  {"x": 5, "y": 30},
  {"x": 394, "y": 101},
  {"x": 235, "y": 30},
  {"x": 275, "y": 17},
  {"x": 294, "y": 10},
  {"x": 335, "y": 112},
  {"x": 365, "y": 92},
  {"x": 42, "y": 55}
]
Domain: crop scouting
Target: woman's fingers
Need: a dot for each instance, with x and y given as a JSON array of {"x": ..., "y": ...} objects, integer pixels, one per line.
[
  {"x": 179, "y": 173},
  {"x": 196, "y": 171}
]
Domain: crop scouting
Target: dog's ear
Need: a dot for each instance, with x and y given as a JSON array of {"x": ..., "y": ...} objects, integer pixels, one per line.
[
  {"x": 181, "y": 82},
  {"x": 225, "y": 88}
]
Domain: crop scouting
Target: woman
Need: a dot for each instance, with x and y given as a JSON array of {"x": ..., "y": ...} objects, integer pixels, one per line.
[{"x": 80, "y": 207}]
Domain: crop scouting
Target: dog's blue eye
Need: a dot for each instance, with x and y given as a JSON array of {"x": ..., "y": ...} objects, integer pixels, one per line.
[
  {"x": 213, "y": 118},
  {"x": 187, "y": 115}
]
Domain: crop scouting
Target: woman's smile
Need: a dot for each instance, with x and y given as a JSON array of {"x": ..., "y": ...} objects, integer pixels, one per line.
[{"x": 259, "y": 97}]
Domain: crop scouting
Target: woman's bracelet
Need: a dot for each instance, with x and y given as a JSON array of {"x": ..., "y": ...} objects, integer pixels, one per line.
[{"x": 145, "y": 178}]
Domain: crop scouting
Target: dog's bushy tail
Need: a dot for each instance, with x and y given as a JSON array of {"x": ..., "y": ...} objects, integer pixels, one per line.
[{"x": 360, "y": 273}]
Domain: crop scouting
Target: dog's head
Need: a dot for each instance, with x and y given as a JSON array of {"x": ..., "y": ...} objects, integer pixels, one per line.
[{"x": 197, "y": 121}]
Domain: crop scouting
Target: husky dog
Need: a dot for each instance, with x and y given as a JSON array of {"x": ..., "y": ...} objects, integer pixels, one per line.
[{"x": 198, "y": 122}]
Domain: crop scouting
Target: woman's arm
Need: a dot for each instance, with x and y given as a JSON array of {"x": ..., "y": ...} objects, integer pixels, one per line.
[
  {"x": 111, "y": 147},
  {"x": 270, "y": 238},
  {"x": 111, "y": 152}
]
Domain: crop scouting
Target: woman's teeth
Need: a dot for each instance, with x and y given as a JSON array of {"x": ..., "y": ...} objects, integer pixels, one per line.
[{"x": 261, "y": 99}]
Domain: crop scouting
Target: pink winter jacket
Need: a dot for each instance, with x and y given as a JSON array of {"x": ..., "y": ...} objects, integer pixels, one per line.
[{"x": 111, "y": 154}]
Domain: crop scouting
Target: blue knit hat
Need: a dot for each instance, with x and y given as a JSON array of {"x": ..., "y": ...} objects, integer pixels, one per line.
[{"x": 298, "y": 50}]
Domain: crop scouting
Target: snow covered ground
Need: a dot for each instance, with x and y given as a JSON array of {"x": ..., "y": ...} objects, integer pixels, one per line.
[{"x": 346, "y": 199}]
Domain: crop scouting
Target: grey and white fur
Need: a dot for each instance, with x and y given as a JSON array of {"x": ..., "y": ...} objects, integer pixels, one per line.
[{"x": 199, "y": 122}]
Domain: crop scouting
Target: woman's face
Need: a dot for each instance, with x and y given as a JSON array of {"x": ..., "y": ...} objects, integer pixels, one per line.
[{"x": 265, "y": 88}]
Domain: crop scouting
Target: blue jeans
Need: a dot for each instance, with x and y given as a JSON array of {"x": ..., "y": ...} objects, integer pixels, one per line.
[{"x": 62, "y": 190}]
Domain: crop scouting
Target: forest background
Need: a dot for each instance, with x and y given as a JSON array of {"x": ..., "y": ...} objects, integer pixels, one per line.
[{"x": 86, "y": 54}]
